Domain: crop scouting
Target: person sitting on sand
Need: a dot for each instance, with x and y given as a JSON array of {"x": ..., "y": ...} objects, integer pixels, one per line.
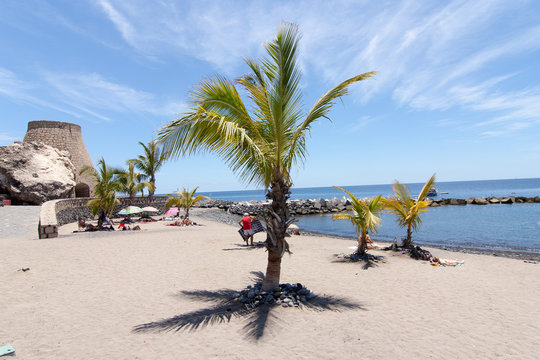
[
  {"x": 370, "y": 244},
  {"x": 187, "y": 222},
  {"x": 246, "y": 226},
  {"x": 123, "y": 226},
  {"x": 109, "y": 222},
  {"x": 81, "y": 224}
]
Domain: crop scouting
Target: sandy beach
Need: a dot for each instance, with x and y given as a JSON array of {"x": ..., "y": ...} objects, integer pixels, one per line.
[{"x": 84, "y": 293}]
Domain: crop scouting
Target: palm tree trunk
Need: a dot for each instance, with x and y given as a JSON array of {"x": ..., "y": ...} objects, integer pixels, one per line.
[
  {"x": 151, "y": 192},
  {"x": 408, "y": 241},
  {"x": 362, "y": 244},
  {"x": 276, "y": 223},
  {"x": 187, "y": 213}
]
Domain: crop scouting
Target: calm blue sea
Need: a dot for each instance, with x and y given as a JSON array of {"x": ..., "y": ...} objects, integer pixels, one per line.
[{"x": 501, "y": 227}]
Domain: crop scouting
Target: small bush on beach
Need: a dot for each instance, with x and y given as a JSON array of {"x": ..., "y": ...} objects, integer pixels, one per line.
[
  {"x": 184, "y": 200},
  {"x": 364, "y": 217},
  {"x": 407, "y": 209},
  {"x": 107, "y": 184}
]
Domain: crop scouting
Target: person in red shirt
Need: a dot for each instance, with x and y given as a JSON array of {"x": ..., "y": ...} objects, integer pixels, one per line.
[{"x": 246, "y": 225}]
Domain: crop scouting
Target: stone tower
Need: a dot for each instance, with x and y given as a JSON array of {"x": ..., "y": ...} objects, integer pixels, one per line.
[{"x": 65, "y": 136}]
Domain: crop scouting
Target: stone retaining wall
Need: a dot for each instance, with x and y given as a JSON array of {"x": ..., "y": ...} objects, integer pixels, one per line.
[{"x": 56, "y": 213}]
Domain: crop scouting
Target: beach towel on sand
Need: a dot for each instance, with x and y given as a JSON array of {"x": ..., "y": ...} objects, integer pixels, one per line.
[
  {"x": 256, "y": 225},
  {"x": 6, "y": 350}
]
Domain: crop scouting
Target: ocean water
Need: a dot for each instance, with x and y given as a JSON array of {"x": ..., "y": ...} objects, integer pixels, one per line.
[
  {"x": 452, "y": 189},
  {"x": 498, "y": 226}
]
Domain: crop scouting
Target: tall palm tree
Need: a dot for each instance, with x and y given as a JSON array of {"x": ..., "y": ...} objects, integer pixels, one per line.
[
  {"x": 150, "y": 162},
  {"x": 364, "y": 217},
  {"x": 107, "y": 184},
  {"x": 408, "y": 209},
  {"x": 261, "y": 146},
  {"x": 184, "y": 200},
  {"x": 132, "y": 182}
]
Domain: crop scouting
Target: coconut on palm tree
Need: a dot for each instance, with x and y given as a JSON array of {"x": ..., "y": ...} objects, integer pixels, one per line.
[
  {"x": 107, "y": 184},
  {"x": 132, "y": 182},
  {"x": 184, "y": 200},
  {"x": 261, "y": 140},
  {"x": 150, "y": 162},
  {"x": 364, "y": 217},
  {"x": 407, "y": 209}
]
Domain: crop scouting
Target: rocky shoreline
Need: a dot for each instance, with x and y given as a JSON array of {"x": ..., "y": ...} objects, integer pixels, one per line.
[
  {"x": 334, "y": 205},
  {"x": 221, "y": 215}
]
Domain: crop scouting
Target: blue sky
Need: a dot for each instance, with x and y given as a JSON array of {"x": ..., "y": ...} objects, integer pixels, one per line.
[{"x": 457, "y": 91}]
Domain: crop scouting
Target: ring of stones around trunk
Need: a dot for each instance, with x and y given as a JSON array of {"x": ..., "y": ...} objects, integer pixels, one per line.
[{"x": 287, "y": 295}]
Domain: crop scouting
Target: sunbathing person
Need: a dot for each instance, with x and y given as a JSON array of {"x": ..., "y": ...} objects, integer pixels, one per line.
[
  {"x": 87, "y": 227},
  {"x": 90, "y": 227},
  {"x": 175, "y": 223},
  {"x": 446, "y": 262}
]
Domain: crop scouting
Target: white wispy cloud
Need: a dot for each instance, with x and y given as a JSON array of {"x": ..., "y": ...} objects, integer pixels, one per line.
[
  {"x": 359, "y": 124},
  {"x": 19, "y": 90},
  {"x": 92, "y": 93},
  {"x": 429, "y": 55},
  {"x": 81, "y": 95}
]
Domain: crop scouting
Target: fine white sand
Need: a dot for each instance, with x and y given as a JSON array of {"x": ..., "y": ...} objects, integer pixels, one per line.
[{"x": 85, "y": 292}]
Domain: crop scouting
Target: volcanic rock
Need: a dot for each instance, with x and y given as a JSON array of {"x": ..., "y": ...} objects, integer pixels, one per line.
[
  {"x": 480, "y": 201},
  {"x": 34, "y": 173}
]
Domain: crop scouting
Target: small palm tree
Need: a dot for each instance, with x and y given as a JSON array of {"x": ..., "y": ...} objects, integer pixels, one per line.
[
  {"x": 263, "y": 145},
  {"x": 107, "y": 184},
  {"x": 364, "y": 217},
  {"x": 184, "y": 200},
  {"x": 408, "y": 209},
  {"x": 132, "y": 182},
  {"x": 150, "y": 162}
]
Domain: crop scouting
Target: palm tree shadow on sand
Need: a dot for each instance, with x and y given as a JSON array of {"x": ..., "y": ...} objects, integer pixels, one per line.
[
  {"x": 368, "y": 260},
  {"x": 225, "y": 305}
]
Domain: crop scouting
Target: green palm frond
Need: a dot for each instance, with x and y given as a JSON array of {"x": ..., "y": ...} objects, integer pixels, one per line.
[
  {"x": 263, "y": 144},
  {"x": 407, "y": 209},
  {"x": 184, "y": 200},
  {"x": 425, "y": 189},
  {"x": 150, "y": 163},
  {"x": 364, "y": 213},
  {"x": 107, "y": 184},
  {"x": 173, "y": 200}
]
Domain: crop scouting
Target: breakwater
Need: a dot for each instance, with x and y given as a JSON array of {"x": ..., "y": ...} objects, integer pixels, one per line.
[{"x": 324, "y": 206}]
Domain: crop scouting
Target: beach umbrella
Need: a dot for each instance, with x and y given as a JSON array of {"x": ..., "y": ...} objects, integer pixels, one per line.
[
  {"x": 172, "y": 211},
  {"x": 150, "y": 209},
  {"x": 293, "y": 226},
  {"x": 130, "y": 210}
]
